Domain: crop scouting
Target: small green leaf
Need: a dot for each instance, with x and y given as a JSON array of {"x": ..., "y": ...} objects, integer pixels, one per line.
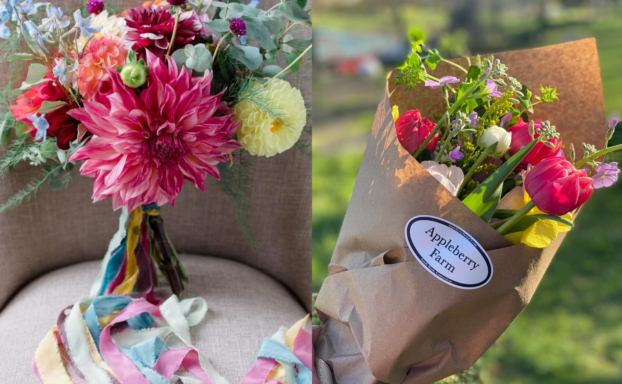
[
  {"x": 290, "y": 59},
  {"x": 21, "y": 56},
  {"x": 236, "y": 10},
  {"x": 50, "y": 106},
  {"x": 179, "y": 56},
  {"x": 271, "y": 70},
  {"x": 256, "y": 31},
  {"x": 5, "y": 130},
  {"x": 294, "y": 12},
  {"x": 473, "y": 73},
  {"x": 302, "y": 3},
  {"x": 433, "y": 59}
]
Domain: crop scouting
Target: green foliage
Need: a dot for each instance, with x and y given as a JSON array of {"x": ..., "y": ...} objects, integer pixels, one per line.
[
  {"x": 548, "y": 94},
  {"x": 235, "y": 181},
  {"x": 484, "y": 199},
  {"x": 52, "y": 174},
  {"x": 433, "y": 59},
  {"x": 412, "y": 72}
]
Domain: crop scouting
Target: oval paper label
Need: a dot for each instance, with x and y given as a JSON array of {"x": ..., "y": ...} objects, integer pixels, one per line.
[{"x": 448, "y": 252}]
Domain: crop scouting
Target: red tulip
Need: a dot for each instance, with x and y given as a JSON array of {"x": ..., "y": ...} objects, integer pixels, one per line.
[
  {"x": 521, "y": 137},
  {"x": 556, "y": 187},
  {"x": 412, "y": 130}
]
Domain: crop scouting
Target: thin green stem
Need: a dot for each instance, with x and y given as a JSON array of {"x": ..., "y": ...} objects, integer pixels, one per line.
[
  {"x": 517, "y": 216},
  {"x": 598, "y": 154},
  {"x": 174, "y": 36},
  {"x": 483, "y": 156},
  {"x": 293, "y": 62},
  {"x": 218, "y": 46},
  {"x": 455, "y": 65},
  {"x": 433, "y": 78}
]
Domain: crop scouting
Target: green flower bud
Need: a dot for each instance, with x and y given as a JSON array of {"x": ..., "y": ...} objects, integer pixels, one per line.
[{"x": 134, "y": 74}]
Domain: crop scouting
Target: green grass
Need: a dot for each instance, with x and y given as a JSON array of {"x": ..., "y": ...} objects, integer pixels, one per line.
[{"x": 571, "y": 332}]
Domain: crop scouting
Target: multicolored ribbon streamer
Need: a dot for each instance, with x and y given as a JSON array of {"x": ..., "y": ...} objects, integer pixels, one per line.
[{"x": 285, "y": 358}]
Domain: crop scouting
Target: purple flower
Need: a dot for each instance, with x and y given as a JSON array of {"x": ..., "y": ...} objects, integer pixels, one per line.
[
  {"x": 443, "y": 80},
  {"x": 238, "y": 27},
  {"x": 613, "y": 122},
  {"x": 505, "y": 119},
  {"x": 473, "y": 117},
  {"x": 491, "y": 87},
  {"x": 95, "y": 6},
  {"x": 456, "y": 155},
  {"x": 606, "y": 175}
]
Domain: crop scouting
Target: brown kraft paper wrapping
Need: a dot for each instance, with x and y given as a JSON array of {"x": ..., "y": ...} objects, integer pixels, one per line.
[{"x": 386, "y": 318}]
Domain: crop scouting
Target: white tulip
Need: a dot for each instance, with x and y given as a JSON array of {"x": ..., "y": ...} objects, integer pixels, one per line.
[
  {"x": 450, "y": 177},
  {"x": 497, "y": 135}
]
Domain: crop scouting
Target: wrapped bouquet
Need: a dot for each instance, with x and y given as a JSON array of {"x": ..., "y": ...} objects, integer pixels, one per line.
[
  {"x": 468, "y": 185},
  {"x": 146, "y": 99}
]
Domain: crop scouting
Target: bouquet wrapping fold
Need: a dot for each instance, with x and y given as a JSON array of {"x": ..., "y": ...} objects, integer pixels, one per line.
[{"x": 385, "y": 317}]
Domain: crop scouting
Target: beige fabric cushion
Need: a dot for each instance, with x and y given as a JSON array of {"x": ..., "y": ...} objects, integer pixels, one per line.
[{"x": 245, "y": 306}]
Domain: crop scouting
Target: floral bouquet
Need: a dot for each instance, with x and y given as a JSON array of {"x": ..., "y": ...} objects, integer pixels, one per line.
[
  {"x": 468, "y": 185},
  {"x": 146, "y": 99}
]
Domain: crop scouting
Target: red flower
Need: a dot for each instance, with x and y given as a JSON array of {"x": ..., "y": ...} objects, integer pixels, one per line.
[
  {"x": 151, "y": 28},
  {"x": 62, "y": 126},
  {"x": 556, "y": 187},
  {"x": 521, "y": 137},
  {"x": 412, "y": 130}
]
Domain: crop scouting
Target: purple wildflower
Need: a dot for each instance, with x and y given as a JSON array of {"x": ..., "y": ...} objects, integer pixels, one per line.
[
  {"x": 606, "y": 175},
  {"x": 456, "y": 155},
  {"x": 505, "y": 119},
  {"x": 491, "y": 87},
  {"x": 473, "y": 117},
  {"x": 442, "y": 81},
  {"x": 238, "y": 27},
  {"x": 95, "y": 6},
  {"x": 613, "y": 122}
]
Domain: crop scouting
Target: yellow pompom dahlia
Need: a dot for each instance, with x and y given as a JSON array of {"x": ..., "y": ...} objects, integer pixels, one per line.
[{"x": 260, "y": 133}]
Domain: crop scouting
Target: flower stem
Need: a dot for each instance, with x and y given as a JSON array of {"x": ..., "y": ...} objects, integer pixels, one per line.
[
  {"x": 455, "y": 65},
  {"x": 517, "y": 216},
  {"x": 293, "y": 62},
  {"x": 218, "y": 46},
  {"x": 174, "y": 36},
  {"x": 445, "y": 143},
  {"x": 598, "y": 154},
  {"x": 483, "y": 156}
]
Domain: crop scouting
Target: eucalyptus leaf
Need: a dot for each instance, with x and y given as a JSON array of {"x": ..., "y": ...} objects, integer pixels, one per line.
[
  {"x": 247, "y": 55},
  {"x": 294, "y": 12},
  {"x": 302, "y": 3},
  {"x": 203, "y": 57},
  {"x": 219, "y": 4},
  {"x": 218, "y": 26},
  {"x": 290, "y": 59},
  {"x": 273, "y": 21},
  {"x": 179, "y": 56},
  {"x": 271, "y": 70},
  {"x": 256, "y": 31},
  {"x": 21, "y": 56},
  {"x": 484, "y": 199},
  {"x": 300, "y": 44},
  {"x": 36, "y": 72},
  {"x": 251, "y": 12},
  {"x": 235, "y": 10},
  {"x": 286, "y": 48},
  {"x": 50, "y": 106}
]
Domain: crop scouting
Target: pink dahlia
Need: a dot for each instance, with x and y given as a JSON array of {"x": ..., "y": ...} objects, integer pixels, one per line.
[
  {"x": 151, "y": 28},
  {"x": 145, "y": 145}
]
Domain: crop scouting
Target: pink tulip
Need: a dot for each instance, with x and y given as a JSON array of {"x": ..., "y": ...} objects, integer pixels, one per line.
[
  {"x": 521, "y": 137},
  {"x": 412, "y": 130},
  {"x": 556, "y": 187}
]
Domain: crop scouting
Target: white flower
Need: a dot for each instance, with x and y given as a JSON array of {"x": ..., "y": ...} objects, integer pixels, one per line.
[
  {"x": 111, "y": 26},
  {"x": 450, "y": 177},
  {"x": 260, "y": 133},
  {"x": 497, "y": 135}
]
